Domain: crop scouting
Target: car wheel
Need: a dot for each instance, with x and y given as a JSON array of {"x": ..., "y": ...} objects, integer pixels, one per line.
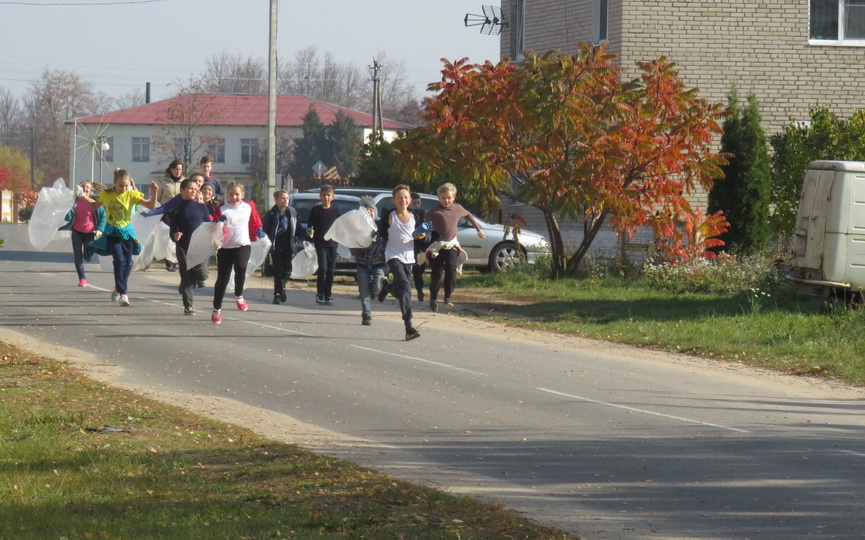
[{"x": 505, "y": 256}]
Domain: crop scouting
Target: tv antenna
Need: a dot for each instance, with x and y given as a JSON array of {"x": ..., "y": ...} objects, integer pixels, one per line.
[{"x": 490, "y": 22}]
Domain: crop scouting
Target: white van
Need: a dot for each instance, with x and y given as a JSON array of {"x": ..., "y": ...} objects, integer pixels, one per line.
[{"x": 829, "y": 248}]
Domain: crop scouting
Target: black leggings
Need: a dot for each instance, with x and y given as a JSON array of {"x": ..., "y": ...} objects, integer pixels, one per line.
[{"x": 226, "y": 260}]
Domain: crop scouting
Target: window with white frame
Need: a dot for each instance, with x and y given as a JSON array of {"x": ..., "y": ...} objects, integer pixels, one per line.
[
  {"x": 838, "y": 22},
  {"x": 216, "y": 150},
  {"x": 599, "y": 21},
  {"x": 140, "y": 149},
  {"x": 248, "y": 150}
]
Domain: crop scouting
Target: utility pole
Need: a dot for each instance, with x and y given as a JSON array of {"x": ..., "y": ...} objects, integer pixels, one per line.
[
  {"x": 377, "y": 124},
  {"x": 271, "y": 105},
  {"x": 33, "y": 159}
]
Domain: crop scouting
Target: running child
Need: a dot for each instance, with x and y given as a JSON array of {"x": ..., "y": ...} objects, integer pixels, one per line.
[
  {"x": 399, "y": 226},
  {"x": 185, "y": 219},
  {"x": 321, "y": 218},
  {"x": 238, "y": 217},
  {"x": 443, "y": 253},
  {"x": 280, "y": 223},
  {"x": 119, "y": 239},
  {"x": 371, "y": 267},
  {"x": 86, "y": 225}
]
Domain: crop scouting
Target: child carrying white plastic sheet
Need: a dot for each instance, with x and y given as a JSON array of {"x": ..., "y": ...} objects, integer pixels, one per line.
[{"x": 207, "y": 238}]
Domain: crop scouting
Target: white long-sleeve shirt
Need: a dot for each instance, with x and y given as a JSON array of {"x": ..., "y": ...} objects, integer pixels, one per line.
[{"x": 236, "y": 226}]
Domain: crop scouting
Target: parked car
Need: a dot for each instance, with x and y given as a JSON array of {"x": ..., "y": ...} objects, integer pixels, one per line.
[{"x": 495, "y": 252}]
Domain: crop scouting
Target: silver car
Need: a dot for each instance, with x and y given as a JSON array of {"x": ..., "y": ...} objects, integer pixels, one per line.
[{"x": 494, "y": 252}]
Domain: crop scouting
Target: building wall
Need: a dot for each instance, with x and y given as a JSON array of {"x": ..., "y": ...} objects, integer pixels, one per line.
[
  {"x": 762, "y": 47},
  {"x": 144, "y": 172}
]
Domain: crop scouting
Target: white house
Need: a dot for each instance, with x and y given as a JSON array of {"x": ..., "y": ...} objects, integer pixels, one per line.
[{"x": 228, "y": 127}]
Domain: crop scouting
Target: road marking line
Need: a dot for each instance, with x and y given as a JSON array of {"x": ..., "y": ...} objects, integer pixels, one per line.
[
  {"x": 644, "y": 411},
  {"x": 269, "y": 327},
  {"x": 852, "y": 453},
  {"x": 455, "y": 368}
]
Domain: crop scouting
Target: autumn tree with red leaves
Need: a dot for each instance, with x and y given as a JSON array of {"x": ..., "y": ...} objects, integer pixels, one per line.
[{"x": 567, "y": 135}]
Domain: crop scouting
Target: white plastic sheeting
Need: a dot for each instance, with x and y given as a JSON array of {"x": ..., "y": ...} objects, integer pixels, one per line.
[
  {"x": 151, "y": 243},
  {"x": 49, "y": 214},
  {"x": 305, "y": 263},
  {"x": 205, "y": 240},
  {"x": 151, "y": 249},
  {"x": 354, "y": 229}
]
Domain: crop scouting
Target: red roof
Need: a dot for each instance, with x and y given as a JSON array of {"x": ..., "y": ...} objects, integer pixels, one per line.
[{"x": 237, "y": 110}]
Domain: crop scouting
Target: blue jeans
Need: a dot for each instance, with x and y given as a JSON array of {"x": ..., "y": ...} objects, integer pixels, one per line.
[
  {"x": 368, "y": 279},
  {"x": 121, "y": 251}
]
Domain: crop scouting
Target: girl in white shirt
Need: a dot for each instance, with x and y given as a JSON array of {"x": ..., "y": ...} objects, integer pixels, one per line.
[{"x": 235, "y": 250}]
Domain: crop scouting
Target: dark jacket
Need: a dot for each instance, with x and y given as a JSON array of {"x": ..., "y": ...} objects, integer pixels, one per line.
[
  {"x": 281, "y": 228},
  {"x": 185, "y": 218}
]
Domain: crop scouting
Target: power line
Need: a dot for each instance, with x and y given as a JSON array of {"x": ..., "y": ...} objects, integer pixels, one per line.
[{"x": 64, "y": 4}]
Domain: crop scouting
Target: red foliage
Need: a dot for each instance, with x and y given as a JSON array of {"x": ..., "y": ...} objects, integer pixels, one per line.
[{"x": 577, "y": 138}]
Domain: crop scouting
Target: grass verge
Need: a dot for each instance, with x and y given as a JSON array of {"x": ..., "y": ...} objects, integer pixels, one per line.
[
  {"x": 772, "y": 329},
  {"x": 80, "y": 460}
]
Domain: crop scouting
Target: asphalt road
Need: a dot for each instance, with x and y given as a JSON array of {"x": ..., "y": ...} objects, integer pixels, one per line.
[{"x": 600, "y": 440}]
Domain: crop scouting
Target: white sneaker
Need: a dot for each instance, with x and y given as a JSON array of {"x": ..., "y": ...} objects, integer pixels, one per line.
[
  {"x": 115, "y": 296},
  {"x": 124, "y": 300}
]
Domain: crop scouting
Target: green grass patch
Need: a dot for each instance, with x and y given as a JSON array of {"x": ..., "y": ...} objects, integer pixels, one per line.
[
  {"x": 767, "y": 326},
  {"x": 80, "y": 460}
]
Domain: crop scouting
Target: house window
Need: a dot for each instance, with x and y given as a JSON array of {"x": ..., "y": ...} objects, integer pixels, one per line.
[
  {"x": 140, "y": 149},
  {"x": 519, "y": 29},
  {"x": 217, "y": 150},
  {"x": 838, "y": 22},
  {"x": 599, "y": 21},
  {"x": 248, "y": 150}
]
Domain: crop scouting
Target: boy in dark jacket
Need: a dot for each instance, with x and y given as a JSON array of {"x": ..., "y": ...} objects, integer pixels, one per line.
[
  {"x": 187, "y": 216},
  {"x": 321, "y": 218},
  {"x": 280, "y": 223}
]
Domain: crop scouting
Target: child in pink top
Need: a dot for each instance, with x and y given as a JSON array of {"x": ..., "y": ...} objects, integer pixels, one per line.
[{"x": 86, "y": 225}]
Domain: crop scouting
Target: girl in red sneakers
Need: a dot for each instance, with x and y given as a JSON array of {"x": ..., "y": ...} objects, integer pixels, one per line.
[{"x": 239, "y": 219}]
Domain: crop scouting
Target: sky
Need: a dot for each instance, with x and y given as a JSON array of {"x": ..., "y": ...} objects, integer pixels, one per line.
[{"x": 121, "y": 45}]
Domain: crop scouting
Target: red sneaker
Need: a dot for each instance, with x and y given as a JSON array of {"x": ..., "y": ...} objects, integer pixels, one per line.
[
  {"x": 241, "y": 303},
  {"x": 216, "y": 317}
]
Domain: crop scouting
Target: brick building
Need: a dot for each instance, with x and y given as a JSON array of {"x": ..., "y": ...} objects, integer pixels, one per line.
[{"x": 792, "y": 54}]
